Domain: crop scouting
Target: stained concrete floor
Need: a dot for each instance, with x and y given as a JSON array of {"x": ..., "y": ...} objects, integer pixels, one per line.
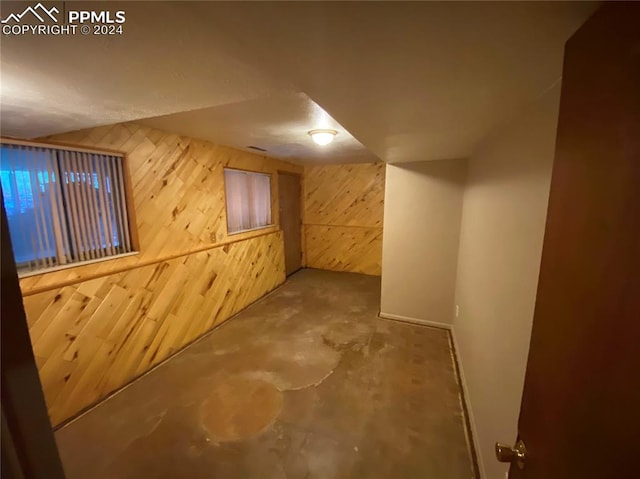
[{"x": 306, "y": 383}]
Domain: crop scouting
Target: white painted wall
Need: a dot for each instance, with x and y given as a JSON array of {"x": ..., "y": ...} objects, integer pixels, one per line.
[
  {"x": 422, "y": 211},
  {"x": 503, "y": 220}
]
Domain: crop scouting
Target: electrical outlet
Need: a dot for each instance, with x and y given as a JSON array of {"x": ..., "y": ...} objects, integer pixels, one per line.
[{"x": 457, "y": 310}]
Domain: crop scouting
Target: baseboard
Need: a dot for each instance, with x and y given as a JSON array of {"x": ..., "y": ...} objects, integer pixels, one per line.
[
  {"x": 408, "y": 319},
  {"x": 479, "y": 465},
  {"x": 467, "y": 405}
]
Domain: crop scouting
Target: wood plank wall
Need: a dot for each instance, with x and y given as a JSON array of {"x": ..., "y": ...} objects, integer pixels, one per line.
[
  {"x": 343, "y": 213},
  {"x": 96, "y": 327}
]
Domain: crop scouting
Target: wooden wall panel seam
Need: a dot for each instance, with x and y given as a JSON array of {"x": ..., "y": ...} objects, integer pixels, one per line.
[
  {"x": 379, "y": 227},
  {"x": 343, "y": 217},
  {"x": 123, "y": 269}
]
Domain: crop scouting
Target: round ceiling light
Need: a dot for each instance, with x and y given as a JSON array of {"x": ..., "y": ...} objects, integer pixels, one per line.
[{"x": 323, "y": 137}]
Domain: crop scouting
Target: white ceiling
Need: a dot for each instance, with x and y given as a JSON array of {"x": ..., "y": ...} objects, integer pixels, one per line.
[
  {"x": 279, "y": 124},
  {"x": 168, "y": 60},
  {"x": 411, "y": 81}
]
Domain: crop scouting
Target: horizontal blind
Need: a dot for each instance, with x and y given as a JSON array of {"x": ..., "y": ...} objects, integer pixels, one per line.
[{"x": 63, "y": 206}]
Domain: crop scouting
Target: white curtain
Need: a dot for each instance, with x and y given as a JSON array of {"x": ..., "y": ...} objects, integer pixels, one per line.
[
  {"x": 248, "y": 200},
  {"x": 260, "y": 194},
  {"x": 237, "y": 189}
]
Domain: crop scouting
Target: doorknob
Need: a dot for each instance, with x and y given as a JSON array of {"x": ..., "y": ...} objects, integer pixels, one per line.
[{"x": 515, "y": 455}]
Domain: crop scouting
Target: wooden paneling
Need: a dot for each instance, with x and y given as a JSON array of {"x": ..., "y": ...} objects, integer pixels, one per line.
[
  {"x": 341, "y": 248},
  {"x": 96, "y": 327},
  {"x": 343, "y": 216},
  {"x": 178, "y": 193},
  {"x": 344, "y": 195},
  {"x": 93, "y": 337}
]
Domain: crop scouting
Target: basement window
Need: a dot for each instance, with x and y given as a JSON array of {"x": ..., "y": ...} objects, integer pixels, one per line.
[
  {"x": 248, "y": 196},
  {"x": 64, "y": 206}
]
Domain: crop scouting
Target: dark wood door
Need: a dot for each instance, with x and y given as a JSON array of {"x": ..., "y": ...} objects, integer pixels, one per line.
[
  {"x": 28, "y": 446},
  {"x": 580, "y": 407},
  {"x": 290, "y": 222}
]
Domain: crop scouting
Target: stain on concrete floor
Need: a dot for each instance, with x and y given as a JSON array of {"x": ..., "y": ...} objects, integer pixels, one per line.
[{"x": 306, "y": 383}]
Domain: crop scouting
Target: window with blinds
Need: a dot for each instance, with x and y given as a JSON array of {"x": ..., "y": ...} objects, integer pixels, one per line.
[
  {"x": 63, "y": 206},
  {"x": 248, "y": 200}
]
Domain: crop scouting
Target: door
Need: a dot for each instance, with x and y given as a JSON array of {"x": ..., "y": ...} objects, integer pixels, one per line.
[
  {"x": 580, "y": 407},
  {"x": 28, "y": 446},
  {"x": 290, "y": 223}
]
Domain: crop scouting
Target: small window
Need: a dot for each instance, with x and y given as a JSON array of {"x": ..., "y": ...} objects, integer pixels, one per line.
[
  {"x": 63, "y": 206},
  {"x": 248, "y": 200}
]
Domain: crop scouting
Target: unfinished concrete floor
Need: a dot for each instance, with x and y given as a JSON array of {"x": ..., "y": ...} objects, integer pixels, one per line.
[{"x": 306, "y": 383}]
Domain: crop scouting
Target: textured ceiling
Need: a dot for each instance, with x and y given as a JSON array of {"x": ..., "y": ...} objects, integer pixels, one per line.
[
  {"x": 410, "y": 81},
  {"x": 279, "y": 124},
  {"x": 169, "y": 59}
]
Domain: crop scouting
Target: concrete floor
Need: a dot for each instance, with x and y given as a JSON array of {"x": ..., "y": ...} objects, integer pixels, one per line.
[{"x": 306, "y": 383}]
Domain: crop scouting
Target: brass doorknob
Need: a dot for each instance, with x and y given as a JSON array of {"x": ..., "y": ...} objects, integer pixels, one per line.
[{"x": 515, "y": 455}]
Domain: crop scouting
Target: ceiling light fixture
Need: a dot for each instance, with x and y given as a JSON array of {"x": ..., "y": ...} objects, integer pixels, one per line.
[{"x": 323, "y": 137}]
